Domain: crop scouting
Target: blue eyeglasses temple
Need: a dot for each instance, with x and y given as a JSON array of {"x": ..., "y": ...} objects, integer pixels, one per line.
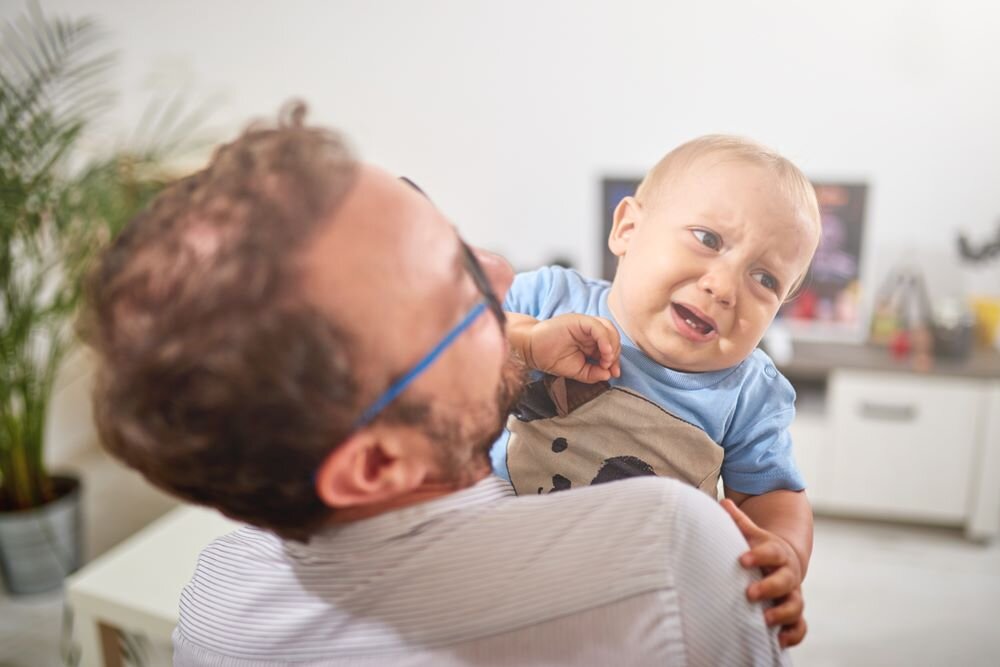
[{"x": 397, "y": 388}]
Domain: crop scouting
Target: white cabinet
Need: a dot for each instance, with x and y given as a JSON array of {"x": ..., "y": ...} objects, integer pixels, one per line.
[
  {"x": 810, "y": 435},
  {"x": 903, "y": 446},
  {"x": 892, "y": 444}
]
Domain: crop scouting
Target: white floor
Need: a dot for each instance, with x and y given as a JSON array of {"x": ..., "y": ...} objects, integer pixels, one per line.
[
  {"x": 877, "y": 594},
  {"x": 885, "y": 594}
]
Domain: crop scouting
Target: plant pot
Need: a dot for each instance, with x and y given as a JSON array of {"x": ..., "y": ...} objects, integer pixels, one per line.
[{"x": 40, "y": 546}]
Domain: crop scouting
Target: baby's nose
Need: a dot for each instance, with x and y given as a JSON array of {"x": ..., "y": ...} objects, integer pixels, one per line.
[{"x": 721, "y": 284}]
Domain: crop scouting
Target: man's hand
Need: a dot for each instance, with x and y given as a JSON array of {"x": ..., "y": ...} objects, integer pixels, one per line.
[
  {"x": 581, "y": 347},
  {"x": 782, "y": 582}
]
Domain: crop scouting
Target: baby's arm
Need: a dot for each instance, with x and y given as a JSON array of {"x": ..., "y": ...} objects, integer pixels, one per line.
[
  {"x": 778, "y": 525},
  {"x": 581, "y": 347}
]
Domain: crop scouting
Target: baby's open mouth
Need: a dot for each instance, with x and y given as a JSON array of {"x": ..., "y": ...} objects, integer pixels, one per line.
[{"x": 693, "y": 321}]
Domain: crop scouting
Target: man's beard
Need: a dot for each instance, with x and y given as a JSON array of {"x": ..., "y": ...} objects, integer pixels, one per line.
[{"x": 462, "y": 442}]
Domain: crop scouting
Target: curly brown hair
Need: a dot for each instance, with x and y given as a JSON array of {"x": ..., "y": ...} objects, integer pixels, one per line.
[{"x": 217, "y": 380}]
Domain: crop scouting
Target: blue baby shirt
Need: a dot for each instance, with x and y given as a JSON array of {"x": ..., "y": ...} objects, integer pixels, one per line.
[{"x": 746, "y": 409}]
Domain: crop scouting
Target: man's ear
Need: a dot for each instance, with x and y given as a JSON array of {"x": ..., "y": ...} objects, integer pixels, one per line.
[
  {"x": 628, "y": 215},
  {"x": 374, "y": 465}
]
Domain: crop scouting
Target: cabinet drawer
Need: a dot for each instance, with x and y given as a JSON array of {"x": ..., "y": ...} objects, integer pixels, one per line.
[{"x": 904, "y": 445}]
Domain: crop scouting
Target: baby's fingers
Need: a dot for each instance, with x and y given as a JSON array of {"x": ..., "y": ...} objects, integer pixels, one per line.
[
  {"x": 606, "y": 350},
  {"x": 787, "y": 612},
  {"x": 775, "y": 585},
  {"x": 591, "y": 373},
  {"x": 746, "y": 525},
  {"x": 769, "y": 554},
  {"x": 608, "y": 342},
  {"x": 793, "y": 634}
]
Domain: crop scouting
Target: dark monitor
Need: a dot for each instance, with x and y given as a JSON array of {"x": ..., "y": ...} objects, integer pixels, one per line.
[{"x": 613, "y": 190}]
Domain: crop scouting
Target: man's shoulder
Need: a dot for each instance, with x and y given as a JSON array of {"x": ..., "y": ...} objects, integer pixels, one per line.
[
  {"x": 652, "y": 493},
  {"x": 632, "y": 537},
  {"x": 232, "y": 570},
  {"x": 255, "y": 547},
  {"x": 473, "y": 571},
  {"x": 654, "y": 514},
  {"x": 228, "y": 562},
  {"x": 659, "y": 497}
]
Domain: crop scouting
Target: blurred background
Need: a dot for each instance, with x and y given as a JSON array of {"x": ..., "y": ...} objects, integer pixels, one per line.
[
  {"x": 509, "y": 113},
  {"x": 520, "y": 119}
]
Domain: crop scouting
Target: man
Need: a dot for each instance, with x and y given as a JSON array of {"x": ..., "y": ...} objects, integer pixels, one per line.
[{"x": 305, "y": 343}]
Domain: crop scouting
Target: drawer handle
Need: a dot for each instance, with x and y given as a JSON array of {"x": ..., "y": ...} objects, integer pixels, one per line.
[{"x": 887, "y": 412}]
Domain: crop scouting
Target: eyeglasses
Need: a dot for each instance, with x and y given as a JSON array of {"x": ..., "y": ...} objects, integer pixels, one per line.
[{"x": 489, "y": 301}]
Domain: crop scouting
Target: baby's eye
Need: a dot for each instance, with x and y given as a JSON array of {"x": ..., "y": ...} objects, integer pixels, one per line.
[
  {"x": 707, "y": 238},
  {"x": 767, "y": 280}
]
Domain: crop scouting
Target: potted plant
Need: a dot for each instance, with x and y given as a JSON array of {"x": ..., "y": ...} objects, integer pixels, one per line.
[{"x": 52, "y": 218}]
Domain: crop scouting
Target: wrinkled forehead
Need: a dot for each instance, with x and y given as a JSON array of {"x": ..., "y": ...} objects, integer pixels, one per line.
[
  {"x": 710, "y": 176},
  {"x": 782, "y": 176}
]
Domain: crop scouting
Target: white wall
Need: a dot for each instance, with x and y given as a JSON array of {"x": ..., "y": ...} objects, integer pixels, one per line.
[{"x": 508, "y": 113}]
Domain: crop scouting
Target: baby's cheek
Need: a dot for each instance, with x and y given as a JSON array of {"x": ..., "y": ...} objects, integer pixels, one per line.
[{"x": 743, "y": 337}]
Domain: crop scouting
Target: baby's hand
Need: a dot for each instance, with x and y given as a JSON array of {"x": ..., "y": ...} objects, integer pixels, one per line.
[
  {"x": 782, "y": 582},
  {"x": 581, "y": 347}
]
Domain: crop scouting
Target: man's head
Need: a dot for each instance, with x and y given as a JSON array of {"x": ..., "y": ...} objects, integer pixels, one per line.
[
  {"x": 248, "y": 317},
  {"x": 719, "y": 234}
]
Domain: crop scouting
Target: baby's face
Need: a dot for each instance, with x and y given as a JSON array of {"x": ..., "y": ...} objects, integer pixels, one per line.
[{"x": 705, "y": 266}]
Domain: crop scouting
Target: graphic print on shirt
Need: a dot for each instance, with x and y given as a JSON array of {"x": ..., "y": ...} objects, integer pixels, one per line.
[{"x": 566, "y": 434}]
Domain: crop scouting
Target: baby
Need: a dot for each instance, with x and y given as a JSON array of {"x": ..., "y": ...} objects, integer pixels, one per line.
[{"x": 659, "y": 373}]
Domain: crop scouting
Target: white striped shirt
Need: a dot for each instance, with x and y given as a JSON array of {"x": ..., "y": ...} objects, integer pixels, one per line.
[{"x": 637, "y": 572}]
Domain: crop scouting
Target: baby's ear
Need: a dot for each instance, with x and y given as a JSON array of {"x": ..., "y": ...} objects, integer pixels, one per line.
[{"x": 628, "y": 213}]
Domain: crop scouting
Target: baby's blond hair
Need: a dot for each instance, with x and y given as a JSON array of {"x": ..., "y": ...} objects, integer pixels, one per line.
[{"x": 790, "y": 178}]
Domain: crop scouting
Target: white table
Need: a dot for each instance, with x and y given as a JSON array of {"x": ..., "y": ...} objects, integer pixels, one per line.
[{"x": 136, "y": 586}]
